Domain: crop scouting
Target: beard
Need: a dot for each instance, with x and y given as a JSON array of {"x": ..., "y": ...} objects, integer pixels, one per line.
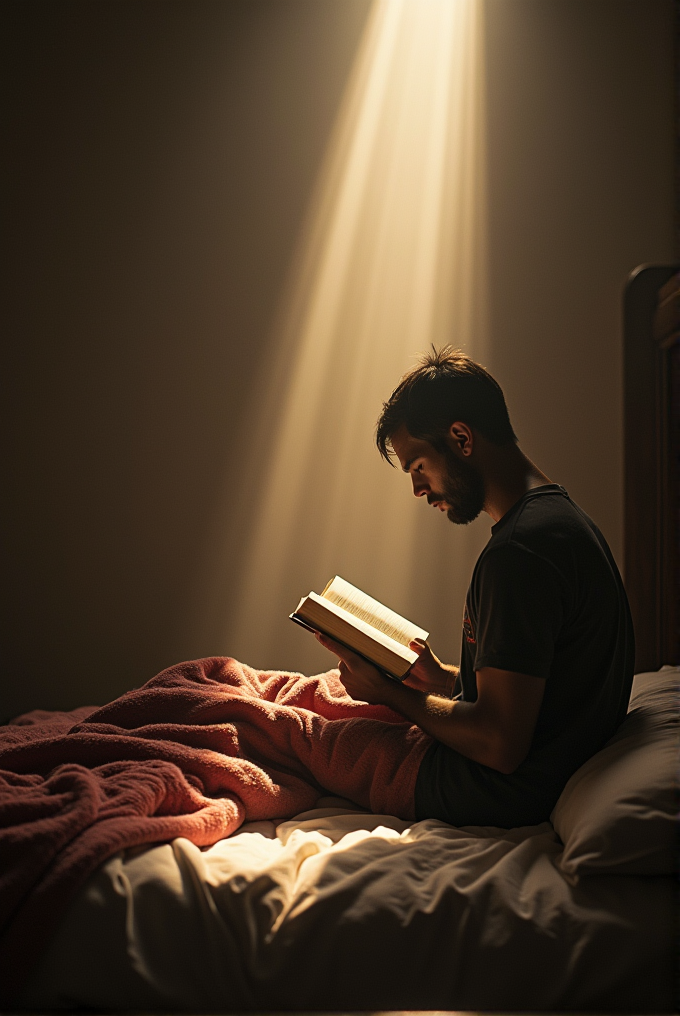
[{"x": 463, "y": 491}]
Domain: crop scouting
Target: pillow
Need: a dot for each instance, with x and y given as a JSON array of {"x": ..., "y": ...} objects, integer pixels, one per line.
[{"x": 617, "y": 813}]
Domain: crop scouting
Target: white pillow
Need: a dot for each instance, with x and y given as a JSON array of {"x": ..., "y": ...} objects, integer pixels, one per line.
[{"x": 617, "y": 813}]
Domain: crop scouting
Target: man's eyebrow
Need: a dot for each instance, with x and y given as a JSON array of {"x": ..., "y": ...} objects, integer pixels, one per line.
[{"x": 407, "y": 465}]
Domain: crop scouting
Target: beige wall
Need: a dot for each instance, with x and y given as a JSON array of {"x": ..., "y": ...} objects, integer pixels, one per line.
[
  {"x": 161, "y": 158},
  {"x": 581, "y": 191}
]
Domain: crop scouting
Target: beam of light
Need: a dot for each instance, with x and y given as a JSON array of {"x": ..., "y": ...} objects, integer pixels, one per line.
[{"x": 392, "y": 260}]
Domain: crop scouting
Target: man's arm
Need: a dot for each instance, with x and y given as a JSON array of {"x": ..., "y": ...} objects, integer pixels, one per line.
[{"x": 496, "y": 730}]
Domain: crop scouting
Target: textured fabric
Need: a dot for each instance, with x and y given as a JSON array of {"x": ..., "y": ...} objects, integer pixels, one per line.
[
  {"x": 545, "y": 599},
  {"x": 617, "y": 814},
  {"x": 198, "y": 749},
  {"x": 334, "y": 911}
]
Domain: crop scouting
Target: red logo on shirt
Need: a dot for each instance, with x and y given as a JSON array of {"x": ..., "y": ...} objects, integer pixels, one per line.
[{"x": 467, "y": 627}]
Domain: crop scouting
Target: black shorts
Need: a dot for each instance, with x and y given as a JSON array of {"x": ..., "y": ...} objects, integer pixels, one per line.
[{"x": 461, "y": 792}]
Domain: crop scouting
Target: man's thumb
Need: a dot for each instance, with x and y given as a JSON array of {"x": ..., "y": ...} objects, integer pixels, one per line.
[{"x": 418, "y": 646}]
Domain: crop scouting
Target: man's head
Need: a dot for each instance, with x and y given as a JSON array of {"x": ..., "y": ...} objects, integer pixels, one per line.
[
  {"x": 430, "y": 423},
  {"x": 445, "y": 386}
]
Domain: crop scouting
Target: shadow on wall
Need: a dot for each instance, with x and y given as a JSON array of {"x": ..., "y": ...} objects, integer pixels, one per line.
[{"x": 158, "y": 169}]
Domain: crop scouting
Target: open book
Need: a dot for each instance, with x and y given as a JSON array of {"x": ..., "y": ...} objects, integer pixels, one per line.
[{"x": 363, "y": 624}]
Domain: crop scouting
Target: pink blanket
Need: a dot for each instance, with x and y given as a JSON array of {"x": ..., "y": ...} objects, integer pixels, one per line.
[{"x": 199, "y": 749}]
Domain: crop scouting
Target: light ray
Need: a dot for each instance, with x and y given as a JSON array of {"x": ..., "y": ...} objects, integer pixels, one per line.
[{"x": 392, "y": 260}]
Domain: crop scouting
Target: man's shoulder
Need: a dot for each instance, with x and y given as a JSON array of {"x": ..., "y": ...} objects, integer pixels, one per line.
[
  {"x": 547, "y": 521},
  {"x": 547, "y": 534}
]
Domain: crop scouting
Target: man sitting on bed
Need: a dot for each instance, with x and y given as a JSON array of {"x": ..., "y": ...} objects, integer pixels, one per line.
[{"x": 547, "y": 659}]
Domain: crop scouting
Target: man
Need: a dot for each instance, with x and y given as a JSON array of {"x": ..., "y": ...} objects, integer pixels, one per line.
[{"x": 547, "y": 657}]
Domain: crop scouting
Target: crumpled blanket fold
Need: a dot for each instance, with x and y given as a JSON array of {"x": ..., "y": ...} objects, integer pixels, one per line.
[{"x": 195, "y": 752}]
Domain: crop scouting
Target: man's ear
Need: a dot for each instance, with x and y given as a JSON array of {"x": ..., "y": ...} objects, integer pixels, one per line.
[{"x": 460, "y": 438}]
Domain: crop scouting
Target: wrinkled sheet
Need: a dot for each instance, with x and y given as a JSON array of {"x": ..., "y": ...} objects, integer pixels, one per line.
[
  {"x": 338, "y": 909},
  {"x": 195, "y": 751}
]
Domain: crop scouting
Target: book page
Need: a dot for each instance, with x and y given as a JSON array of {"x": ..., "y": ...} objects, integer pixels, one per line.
[
  {"x": 373, "y": 612},
  {"x": 321, "y": 611}
]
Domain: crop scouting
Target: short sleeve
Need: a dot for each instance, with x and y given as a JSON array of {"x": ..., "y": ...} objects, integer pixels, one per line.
[{"x": 519, "y": 609}]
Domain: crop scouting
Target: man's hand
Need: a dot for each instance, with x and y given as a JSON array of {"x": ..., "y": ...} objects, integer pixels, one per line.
[
  {"x": 429, "y": 674},
  {"x": 363, "y": 682}
]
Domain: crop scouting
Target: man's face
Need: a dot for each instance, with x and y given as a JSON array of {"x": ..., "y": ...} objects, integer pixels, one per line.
[{"x": 447, "y": 480}]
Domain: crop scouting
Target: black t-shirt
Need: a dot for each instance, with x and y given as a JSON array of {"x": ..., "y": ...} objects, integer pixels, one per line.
[{"x": 546, "y": 599}]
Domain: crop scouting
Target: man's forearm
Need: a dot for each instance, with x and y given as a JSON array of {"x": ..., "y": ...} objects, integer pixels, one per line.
[
  {"x": 495, "y": 730},
  {"x": 459, "y": 725}
]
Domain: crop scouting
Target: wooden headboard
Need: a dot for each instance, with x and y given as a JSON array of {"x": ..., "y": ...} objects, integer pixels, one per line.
[{"x": 652, "y": 462}]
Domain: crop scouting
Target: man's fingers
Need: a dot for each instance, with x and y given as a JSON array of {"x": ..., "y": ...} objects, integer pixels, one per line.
[
  {"x": 336, "y": 647},
  {"x": 328, "y": 642},
  {"x": 324, "y": 640}
]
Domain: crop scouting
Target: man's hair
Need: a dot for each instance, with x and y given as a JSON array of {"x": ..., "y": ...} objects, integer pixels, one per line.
[{"x": 444, "y": 386}]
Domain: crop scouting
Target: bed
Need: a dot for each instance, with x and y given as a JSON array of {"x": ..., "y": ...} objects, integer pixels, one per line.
[{"x": 340, "y": 908}]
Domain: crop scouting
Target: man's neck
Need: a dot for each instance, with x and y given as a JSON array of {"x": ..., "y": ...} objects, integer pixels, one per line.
[{"x": 508, "y": 475}]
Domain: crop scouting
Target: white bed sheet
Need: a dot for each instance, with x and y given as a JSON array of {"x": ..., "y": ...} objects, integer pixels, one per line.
[{"x": 339, "y": 909}]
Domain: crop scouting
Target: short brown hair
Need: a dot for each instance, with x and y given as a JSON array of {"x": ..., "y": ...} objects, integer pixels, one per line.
[{"x": 445, "y": 386}]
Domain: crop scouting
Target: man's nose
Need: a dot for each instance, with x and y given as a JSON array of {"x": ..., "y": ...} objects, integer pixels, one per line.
[{"x": 420, "y": 487}]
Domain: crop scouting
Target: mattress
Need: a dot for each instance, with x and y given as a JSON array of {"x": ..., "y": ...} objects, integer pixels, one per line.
[{"x": 338, "y": 909}]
